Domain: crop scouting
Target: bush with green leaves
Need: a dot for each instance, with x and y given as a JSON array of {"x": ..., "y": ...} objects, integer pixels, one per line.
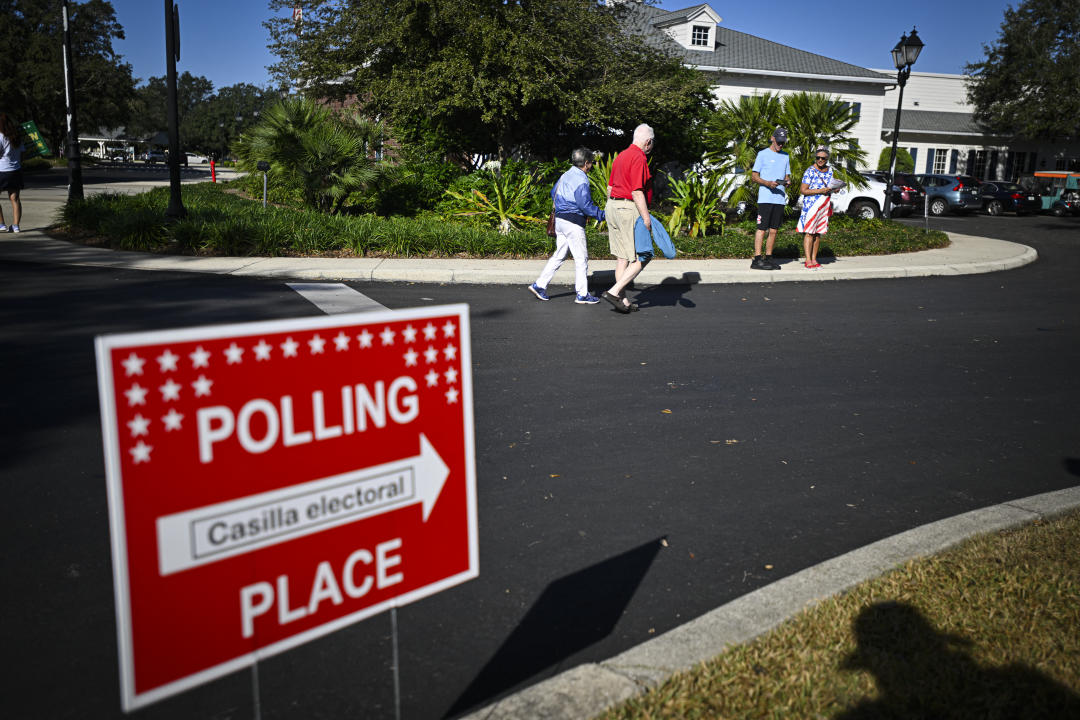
[
  {"x": 904, "y": 162},
  {"x": 325, "y": 155},
  {"x": 699, "y": 202},
  {"x": 220, "y": 222},
  {"x": 507, "y": 197}
]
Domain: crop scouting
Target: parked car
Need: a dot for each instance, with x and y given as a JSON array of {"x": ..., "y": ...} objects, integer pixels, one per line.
[
  {"x": 152, "y": 156},
  {"x": 195, "y": 158},
  {"x": 912, "y": 194},
  {"x": 959, "y": 193},
  {"x": 867, "y": 203},
  {"x": 999, "y": 197}
]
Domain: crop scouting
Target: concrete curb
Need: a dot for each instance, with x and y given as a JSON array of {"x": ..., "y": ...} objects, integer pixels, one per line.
[
  {"x": 966, "y": 255},
  {"x": 588, "y": 690}
]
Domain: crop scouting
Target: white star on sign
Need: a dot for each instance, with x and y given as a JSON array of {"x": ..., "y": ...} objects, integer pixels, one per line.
[
  {"x": 202, "y": 386},
  {"x": 431, "y": 354},
  {"x": 432, "y": 378},
  {"x": 429, "y": 332},
  {"x": 387, "y": 336},
  {"x": 262, "y": 350},
  {"x": 289, "y": 347},
  {"x": 139, "y": 426},
  {"x": 133, "y": 365},
  {"x": 141, "y": 452},
  {"x": 341, "y": 341},
  {"x": 172, "y": 420},
  {"x": 410, "y": 357},
  {"x": 167, "y": 361},
  {"x": 409, "y": 333},
  {"x": 449, "y": 328},
  {"x": 316, "y": 344},
  {"x": 451, "y": 376},
  {"x": 136, "y": 395},
  {"x": 170, "y": 391},
  {"x": 200, "y": 358},
  {"x": 451, "y": 395},
  {"x": 450, "y": 352},
  {"x": 365, "y": 338},
  {"x": 234, "y": 353}
]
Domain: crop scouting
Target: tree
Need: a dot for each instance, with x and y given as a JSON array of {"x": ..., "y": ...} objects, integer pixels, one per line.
[
  {"x": 217, "y": 122},
  {"x": 1026, "y": 85},
  {"x": 149, "y": 108},
  {"x": 737, "y": 131},
  {"x": 329, "y": 156},
  {"x": 491, "y": 77},
  {"x": 32, "y": 70},
  {"x": 904, "y": 162}
]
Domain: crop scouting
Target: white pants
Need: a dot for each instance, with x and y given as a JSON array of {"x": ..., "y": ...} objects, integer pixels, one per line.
[{"x": 569, "y": 237}]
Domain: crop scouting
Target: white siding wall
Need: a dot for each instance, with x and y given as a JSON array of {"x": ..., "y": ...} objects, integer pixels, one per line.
[
  {"x": 931, "y": 91},
  {"x": 870, "y": 96}
]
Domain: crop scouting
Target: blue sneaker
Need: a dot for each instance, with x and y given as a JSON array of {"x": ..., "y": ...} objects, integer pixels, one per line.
[
  {"x": 587, "y": 299},
  {"x": 538, "y": 292}
]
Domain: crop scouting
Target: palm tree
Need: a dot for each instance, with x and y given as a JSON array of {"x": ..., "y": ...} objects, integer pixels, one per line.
[
  {"x": 327, "y": 155},
  {"x": 737, "y": 131},
  {"x": 813, "y": 120}
]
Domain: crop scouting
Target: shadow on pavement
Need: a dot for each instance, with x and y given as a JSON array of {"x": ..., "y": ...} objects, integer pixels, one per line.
[
  {"x": 923, "y": 673},
  {"x": 571, "y": 614}
]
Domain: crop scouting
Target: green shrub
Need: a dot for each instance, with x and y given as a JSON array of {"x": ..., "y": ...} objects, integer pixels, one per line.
[{"x": 220, "y": 222}]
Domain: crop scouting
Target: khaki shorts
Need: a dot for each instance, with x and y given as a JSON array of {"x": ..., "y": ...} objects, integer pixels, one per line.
[{"x": 621, "y": 216}]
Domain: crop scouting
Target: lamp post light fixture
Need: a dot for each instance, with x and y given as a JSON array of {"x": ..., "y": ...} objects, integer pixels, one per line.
[{"x": 904, "y": 56}]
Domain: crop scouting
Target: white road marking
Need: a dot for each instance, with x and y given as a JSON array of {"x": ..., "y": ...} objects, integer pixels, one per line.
[{"x": 334, "y": 298}]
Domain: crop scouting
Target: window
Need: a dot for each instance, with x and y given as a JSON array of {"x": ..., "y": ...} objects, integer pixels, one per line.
[
  {"x": 854, "y": 107},
  {"x": 699, "y": 35},
  {"x": 941, "y": 158},
  {"x": 980, "y": 164}
]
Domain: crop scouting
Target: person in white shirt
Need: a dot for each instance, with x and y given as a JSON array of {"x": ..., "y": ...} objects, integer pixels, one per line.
[{"x": 10, "y": 169}]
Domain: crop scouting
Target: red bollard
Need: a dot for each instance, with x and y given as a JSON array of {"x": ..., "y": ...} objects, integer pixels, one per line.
[{"x": 213, "y": 174}]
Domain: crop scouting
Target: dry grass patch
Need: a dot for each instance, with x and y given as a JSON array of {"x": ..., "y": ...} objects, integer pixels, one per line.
[{"x": 990, "y": 629}]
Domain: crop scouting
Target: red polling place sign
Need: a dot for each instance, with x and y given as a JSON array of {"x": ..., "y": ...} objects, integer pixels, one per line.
[{"x": 272, "y": 482}]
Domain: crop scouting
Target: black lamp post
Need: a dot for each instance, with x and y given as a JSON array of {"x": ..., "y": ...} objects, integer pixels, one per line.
[{"x": 904, "y": 56}]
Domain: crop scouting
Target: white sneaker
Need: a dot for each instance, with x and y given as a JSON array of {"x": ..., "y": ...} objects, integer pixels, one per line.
[
  {"x": 14, "y": 228},
  {"x": 3, "y": 228}
]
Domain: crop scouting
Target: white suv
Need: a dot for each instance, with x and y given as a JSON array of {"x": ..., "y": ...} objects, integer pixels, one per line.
[{"x": 863, "y": 203}]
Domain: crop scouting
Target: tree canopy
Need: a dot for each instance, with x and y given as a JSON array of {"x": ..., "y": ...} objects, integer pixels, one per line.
[
  {"x": 1026, "y": 85},
  {"x": 32, "y": 66},
  {"x": 492, "y": 77}
]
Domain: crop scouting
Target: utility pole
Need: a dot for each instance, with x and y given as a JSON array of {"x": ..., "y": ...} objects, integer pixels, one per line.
[
  {"x": 74, "y": 159},
  {"x": 172, "y": 50}
]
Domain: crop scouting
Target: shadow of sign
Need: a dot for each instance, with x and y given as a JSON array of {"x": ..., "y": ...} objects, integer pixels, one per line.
[
  {"x": 571, "y": 614},
  {"x": 921, "y": 672}
]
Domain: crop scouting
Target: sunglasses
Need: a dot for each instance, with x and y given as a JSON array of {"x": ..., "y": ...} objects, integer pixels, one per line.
[{"x": 821, "y": 157}]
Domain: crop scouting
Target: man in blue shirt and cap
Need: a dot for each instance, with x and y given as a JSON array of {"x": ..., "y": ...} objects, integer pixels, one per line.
[{"x": 772, "y": 171}]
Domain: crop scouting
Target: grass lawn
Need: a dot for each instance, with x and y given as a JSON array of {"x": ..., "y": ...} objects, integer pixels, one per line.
[
  {"x": 221, "y": 221},
  {"x": 988, "y": 630}
]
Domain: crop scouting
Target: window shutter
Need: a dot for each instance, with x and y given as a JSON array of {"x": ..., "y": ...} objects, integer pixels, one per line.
[
  {"x": 930, "y": 160},
  {"x": 953, "y": 157},
  {"x": 991, "y": 172},
  {"x": 971, "y": 162}
]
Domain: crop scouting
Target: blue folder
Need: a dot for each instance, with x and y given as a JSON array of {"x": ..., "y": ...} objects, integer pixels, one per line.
[{"x": 643, "y": 242}]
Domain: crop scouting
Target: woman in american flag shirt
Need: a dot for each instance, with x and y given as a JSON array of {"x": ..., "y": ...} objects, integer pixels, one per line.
[{"x": 816, "y": 205}]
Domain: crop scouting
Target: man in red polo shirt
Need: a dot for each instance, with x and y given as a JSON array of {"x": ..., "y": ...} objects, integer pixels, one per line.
[{"x": 629, "y": 195}]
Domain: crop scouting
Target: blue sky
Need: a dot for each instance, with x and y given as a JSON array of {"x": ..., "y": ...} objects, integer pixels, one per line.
[{"x": 224, "y": 40}]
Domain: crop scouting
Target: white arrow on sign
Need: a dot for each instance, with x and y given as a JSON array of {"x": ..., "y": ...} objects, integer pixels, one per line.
[{"x": 214, "y": 532}]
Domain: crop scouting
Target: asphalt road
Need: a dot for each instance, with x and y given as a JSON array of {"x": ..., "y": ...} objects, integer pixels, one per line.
[{"x": 805, "y": 420}]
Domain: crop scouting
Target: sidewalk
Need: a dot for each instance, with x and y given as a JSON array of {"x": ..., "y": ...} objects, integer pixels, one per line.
[{"x": 965, "y": 256}]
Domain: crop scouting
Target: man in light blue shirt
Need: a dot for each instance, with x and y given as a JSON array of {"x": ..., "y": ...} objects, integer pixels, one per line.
[{"x": 772, "y": 171}]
